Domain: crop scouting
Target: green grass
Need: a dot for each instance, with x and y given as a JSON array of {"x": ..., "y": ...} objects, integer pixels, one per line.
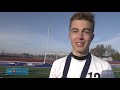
[
  {"x": 34, "y": 72},
  {"x": 116, "y": 72},
  {"x": 37, "y": 72}
]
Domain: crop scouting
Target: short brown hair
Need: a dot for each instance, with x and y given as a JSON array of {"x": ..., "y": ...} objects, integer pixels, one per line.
[{"x": 83, "y": 16}]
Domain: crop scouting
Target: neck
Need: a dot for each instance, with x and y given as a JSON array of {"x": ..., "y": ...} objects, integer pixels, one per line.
[
  {"x": 79, "y": 54},
  {"x": 80, "y": 58}
]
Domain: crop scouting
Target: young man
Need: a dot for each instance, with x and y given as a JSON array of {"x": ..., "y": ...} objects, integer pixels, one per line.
[{"x": 80, "y": 63}]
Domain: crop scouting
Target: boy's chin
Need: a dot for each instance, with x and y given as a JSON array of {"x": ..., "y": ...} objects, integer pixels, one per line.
[{"x": 81, "y": 51}]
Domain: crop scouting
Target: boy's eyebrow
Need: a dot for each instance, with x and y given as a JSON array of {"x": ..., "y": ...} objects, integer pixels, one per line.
[
  {"x": 83, "y": 29},
  {"x": 86, "y": 29},
  {"x": 74, "y": 29}
]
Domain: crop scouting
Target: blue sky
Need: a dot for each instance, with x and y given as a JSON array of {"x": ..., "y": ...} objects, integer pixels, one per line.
[{"x": 27, "y": 32}]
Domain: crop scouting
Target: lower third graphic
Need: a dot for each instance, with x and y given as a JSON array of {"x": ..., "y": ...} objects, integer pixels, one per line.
[{"x": 17, "y": 71}]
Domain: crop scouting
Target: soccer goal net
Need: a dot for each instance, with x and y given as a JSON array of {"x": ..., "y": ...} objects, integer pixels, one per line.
[{"x": 52, "y": 56}]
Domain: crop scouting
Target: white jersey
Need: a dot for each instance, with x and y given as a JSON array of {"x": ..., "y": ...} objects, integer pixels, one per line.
[{"x": 98, "y": 68}]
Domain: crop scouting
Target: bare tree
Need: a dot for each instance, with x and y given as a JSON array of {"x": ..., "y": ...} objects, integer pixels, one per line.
[
  {"x": 109, "y": 50},
  {"x": 99, "y": 51}
]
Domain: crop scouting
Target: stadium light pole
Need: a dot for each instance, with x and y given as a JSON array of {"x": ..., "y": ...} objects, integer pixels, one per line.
[
  {"x": 47, "y": 48},
  {"x": 48, "y": 38}
]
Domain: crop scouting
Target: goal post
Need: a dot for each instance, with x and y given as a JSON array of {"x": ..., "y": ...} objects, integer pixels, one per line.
[{"x": 52, "y": 56}]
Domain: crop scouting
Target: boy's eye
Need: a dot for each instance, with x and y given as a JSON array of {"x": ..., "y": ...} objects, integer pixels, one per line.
[
  {"x": 74, "y": 31},
  {"x": 87, "y": 31}
]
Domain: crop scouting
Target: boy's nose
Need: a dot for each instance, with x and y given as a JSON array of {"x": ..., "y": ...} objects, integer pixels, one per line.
[{"x": 80, "y": 36}]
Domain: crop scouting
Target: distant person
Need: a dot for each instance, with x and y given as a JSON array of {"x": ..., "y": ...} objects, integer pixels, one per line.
[{"x": 80, "y": 63}]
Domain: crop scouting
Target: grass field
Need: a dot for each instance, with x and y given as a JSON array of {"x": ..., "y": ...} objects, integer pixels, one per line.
[
  {"x": 34, "y": 72},
  {"x": 37, "y": 72},
  {"x": 116, "y": 72}
]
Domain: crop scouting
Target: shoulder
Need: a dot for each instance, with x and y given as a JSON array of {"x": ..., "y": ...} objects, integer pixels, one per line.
[
  {"x": 103, "y": 66},
  {"x": 100, "y": 61},
  {"x": 60, "y": 61}
]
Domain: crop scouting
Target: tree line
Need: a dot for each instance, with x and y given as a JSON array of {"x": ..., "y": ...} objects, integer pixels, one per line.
[{"x": 105, "y": 51}]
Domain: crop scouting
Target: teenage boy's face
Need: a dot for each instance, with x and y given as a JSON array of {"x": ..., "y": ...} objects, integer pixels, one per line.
[{"x": 80, "y": 36}]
